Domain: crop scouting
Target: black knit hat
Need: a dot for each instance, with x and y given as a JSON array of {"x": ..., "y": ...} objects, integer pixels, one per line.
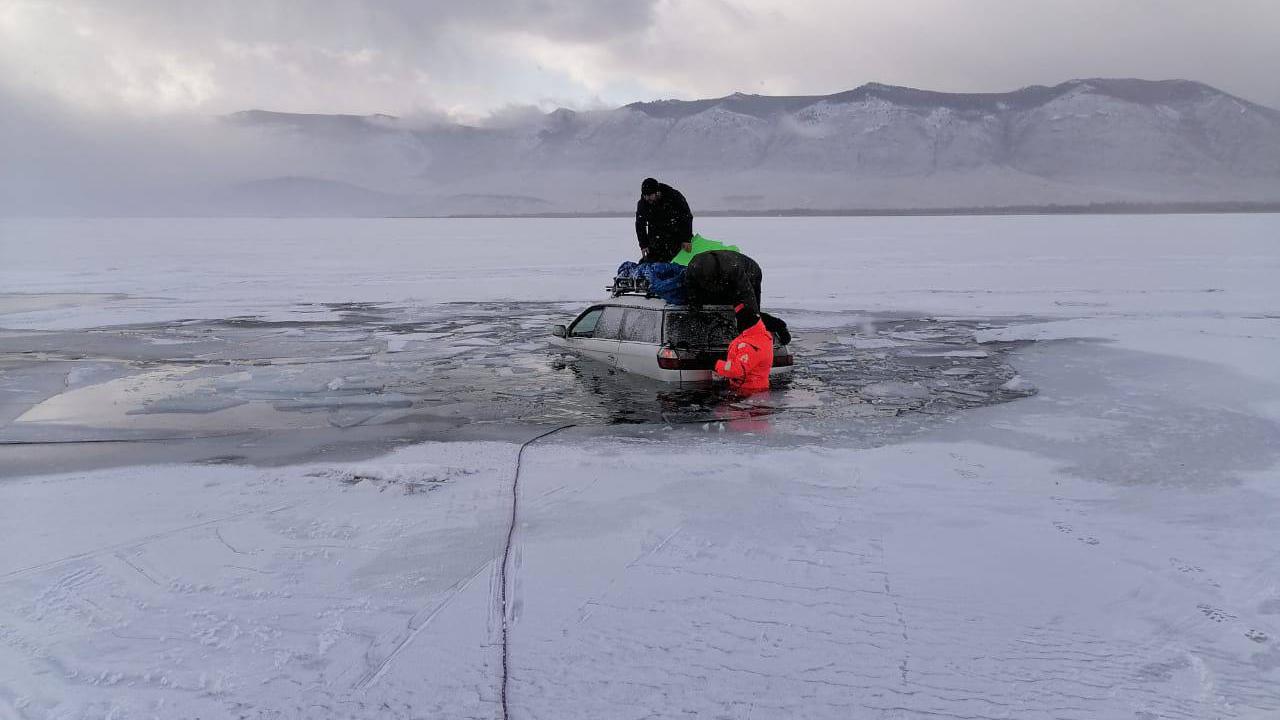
[{"x": 649, "y": 186}]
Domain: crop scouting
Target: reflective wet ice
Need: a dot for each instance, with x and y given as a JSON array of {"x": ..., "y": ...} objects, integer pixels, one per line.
[{"x": 378, "y": 364}]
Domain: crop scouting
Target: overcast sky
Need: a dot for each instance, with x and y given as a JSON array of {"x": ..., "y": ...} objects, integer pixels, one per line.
[{"x": 473, "y": 57}]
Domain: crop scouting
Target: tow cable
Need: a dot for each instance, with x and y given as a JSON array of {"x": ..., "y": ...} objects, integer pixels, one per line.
[{"x": 506, "y": 559}]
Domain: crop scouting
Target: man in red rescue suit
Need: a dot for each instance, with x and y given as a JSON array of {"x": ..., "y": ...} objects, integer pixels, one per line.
[
  {"x": 749, "y": 360},
  {"x": 726, "y": 277}
]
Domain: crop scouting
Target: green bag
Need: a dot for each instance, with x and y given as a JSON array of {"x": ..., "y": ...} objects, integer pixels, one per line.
[{"x": 700, "y": 245}]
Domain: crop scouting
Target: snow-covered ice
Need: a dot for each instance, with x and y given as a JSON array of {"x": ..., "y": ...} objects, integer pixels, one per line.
[{"x": 1030, "y": 469}]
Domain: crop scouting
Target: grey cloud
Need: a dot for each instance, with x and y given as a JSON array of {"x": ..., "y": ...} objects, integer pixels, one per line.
[
  {"x": 434, "y": 61},
  {"x": 513, "y": 116},
  {"x": 400, "y": 56},
  {"x": 396, "y": 22},
  {"x": 977, "y": 46},
  {"x": 319, "y": 56}
]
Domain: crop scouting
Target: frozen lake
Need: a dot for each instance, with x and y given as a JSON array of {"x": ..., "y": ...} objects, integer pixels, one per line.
[
  {"x": 1029, "y": 467},
  {"x": 1027, "y": 265}
]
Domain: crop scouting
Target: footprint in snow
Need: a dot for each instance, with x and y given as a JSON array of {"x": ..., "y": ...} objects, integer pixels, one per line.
[
  {"x": 1067, "y": 529},
  {"x": 1215, "y": 614},
  {"x": 1188, "y": 568}
]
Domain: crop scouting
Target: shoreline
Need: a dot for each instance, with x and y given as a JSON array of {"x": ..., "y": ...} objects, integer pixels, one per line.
[{"x": 1213, "y": 208}]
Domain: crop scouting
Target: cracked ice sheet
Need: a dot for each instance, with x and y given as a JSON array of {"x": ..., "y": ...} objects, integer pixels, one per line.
[
  {"x": 319, "y": 591},
  {"x": 928, "y": 579},
  {"x": 1249, "y": 344},
  {"x": 947, "y": 577}
]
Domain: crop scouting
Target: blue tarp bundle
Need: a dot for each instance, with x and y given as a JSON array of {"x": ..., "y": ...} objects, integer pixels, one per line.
[{"x": 666, "y": 280}]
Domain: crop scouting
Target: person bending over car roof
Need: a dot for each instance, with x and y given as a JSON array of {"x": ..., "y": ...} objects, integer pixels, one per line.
[
  {"x": 727, "y": 277},
  {"x": 664, "y": 223}
]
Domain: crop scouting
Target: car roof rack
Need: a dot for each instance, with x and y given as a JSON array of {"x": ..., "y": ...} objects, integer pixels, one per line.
[{"x": 630, "y": 286}]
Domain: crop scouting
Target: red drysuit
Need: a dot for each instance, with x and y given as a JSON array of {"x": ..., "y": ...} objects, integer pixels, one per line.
[{"x": 749, "y": 361}]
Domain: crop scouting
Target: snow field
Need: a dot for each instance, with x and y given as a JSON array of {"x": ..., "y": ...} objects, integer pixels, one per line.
[{"x": 1104, "y": 549}]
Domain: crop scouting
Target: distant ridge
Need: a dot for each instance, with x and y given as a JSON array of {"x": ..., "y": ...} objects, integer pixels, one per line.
[
  {"x": 1091, "y": 209},
  {"x": 1128, "y": 89},
  {"x": 1093, "y": 142}
]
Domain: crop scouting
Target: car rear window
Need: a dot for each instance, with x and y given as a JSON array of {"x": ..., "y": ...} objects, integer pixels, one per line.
[{"x": 701, "y": 328}]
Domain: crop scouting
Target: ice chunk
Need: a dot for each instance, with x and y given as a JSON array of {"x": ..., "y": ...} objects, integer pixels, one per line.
[
  {"x": 355, "y": 384},
  {"x": 895, "y": 390},
  {"x": 343, "y": 403},
  {"x": 1017, "y": 384},
  {"x": 971, "y": 394},
  {"x": 402, "y": 342},
  {"x": 475, "y": 342},
  {"x": 868, "y": 343},
  {"x": 192, "y": 405},
  {"x": 951, "y": 353}
]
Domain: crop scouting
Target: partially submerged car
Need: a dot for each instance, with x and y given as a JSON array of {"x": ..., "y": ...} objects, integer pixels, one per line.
[{"x": 649, "y": 337}]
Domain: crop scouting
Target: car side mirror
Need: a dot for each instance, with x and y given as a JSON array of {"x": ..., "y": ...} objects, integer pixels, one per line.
[{"x": 559, "y": 331}]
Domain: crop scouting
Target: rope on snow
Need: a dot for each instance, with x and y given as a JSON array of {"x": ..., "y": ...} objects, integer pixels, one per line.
[{"x": 506, "y": 559}]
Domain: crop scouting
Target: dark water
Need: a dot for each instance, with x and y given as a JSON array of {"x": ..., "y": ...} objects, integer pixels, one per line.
[{"x": 370, "y": 364}]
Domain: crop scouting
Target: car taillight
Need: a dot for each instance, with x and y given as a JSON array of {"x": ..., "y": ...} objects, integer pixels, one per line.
[{"x": 669, "y": 359}]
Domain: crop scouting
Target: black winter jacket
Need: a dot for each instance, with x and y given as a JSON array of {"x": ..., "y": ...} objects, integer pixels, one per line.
[
  {"x": 662, "y": 227},
  {"x": 725, "y": 277}
]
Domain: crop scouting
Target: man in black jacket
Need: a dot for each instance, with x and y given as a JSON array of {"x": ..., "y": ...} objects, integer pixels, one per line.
[
  {"x": 664, "y": 224},
  {"x": 727, "y": 277}
]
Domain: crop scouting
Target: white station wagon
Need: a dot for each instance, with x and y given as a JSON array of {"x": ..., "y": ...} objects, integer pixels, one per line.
[{"x": 649, "y": 337}]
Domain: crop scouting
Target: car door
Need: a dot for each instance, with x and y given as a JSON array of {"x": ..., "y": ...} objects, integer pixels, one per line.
[
  {"x": 595, "y": 334},
  {"x": 638, "y": 341}
]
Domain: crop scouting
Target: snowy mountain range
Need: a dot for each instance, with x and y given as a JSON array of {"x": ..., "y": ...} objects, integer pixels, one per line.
[
  {"x": 878, "y": 146},
  {"x": 874, "y": 147}
]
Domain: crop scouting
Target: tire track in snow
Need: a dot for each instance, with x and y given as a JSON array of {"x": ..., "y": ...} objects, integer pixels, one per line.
[
  {"x": 136, "y": 542},
  {"x": 375, "y": 673}
]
